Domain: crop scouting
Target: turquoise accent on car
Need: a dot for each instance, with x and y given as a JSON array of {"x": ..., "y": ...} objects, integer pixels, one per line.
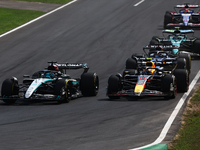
[
  {"x": 85, "y": 65},
  {"x": 176, "y": 40},
  {"x": 34, "y": 85},
  {"x": 157, "y": 147},
  {"x": 75, "y": 82},
  {"x": 175, "y": 51},
  {"x": 177, "y": 37}
]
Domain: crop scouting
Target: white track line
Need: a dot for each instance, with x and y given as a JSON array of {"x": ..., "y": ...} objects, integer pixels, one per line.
[
  {"x": 173, "y": 115},
  {"x": 139, "y": 2},
  {"x": 37, "y": 18}
]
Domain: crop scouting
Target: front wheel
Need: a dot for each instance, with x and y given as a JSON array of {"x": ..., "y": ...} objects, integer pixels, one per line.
[
  {"x": 168, "y": 85},
  {"x": 167, "y": 19},
  {"x": 114, "y": 85},
  {"x": 9, "y": 88},
  {"x": 62, "y": 91},
  {"x": 196, "y": 46},
  {"x": 182, "y": 78}
]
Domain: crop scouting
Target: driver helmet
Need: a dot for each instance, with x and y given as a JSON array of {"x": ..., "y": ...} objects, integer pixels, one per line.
[
  {"x": 177, "y": 38},
  {"x": 49, "y": 75},
  {"x": 186, "y": 10},
  {"x": 150, "y": 64},
  {"x": 162, "y": 55},
  {"x": 53, "y": 67}
]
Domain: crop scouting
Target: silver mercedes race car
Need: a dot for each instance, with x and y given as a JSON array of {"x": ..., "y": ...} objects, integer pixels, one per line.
[{"x": 52, "y": 83}]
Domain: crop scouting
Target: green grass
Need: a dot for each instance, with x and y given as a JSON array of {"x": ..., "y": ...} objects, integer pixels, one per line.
[
  {"x": 189, "y": 135},
  {"x": 48, "y": 1},
  {"x": 11, "y": 18}
]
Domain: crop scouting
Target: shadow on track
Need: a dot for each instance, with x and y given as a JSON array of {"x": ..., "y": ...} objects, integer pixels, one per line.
[
  {"x": 31, "y": 103},
  {"x": 133, "y": 99}
]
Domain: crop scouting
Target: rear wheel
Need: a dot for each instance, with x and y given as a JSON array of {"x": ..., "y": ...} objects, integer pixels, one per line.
[
  {"x": 181, "y": 63},
  {"x": 167, "y": 19},
  {"x": 138, "y": 55},
  {"x": 9, "y": 88},
  {"x": 168, "y": 85},
  {"x": 154, "y": 42},
  {"x": 188, "y": 60},
  {"x": 155, "y": 38},
  {"x": 63, "y": 91},
  {"x": 89, "y": 84},
  {"x": 131, "y": 63},
  {"x": 129, "y": 72},
  {"x": 182, "y": 79},
  {"x": 196, "y": 46},
  {"x": 114, "y": 85}
]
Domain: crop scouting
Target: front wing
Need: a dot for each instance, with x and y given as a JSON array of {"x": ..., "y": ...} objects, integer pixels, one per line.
[
  {"x": 33, "y": 97},
  {"x": 145, "y": 92},
  {"x": 182, "y": 25}
]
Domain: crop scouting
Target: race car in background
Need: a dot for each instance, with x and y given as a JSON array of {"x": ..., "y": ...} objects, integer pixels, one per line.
[
  {"x": 162, "y": 56},
  {"x": 184, "y": 16},
  {"x": 52, "y": 83},
  {"x": 183, "y": 39},
  {"x": 156, "y": 74}
]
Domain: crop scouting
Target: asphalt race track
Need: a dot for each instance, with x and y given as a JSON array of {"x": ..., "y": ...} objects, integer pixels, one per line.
[{"x": 103, "y": 34}]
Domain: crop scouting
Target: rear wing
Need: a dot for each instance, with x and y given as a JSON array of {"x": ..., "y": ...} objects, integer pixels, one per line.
[
  {"x": 66, "y": 66},
  {"x": 159, "y": 47},
  {"x": 71, "y": 65},
  {"x": 186, "y": 6},
  {"x": 175, "y": 31}
]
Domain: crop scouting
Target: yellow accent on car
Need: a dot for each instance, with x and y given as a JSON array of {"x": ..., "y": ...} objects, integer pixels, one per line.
[
  {"x": 149, "y": 58},
  {"x": 66, "y": 88},
  {"x": 139, "y": 88}
]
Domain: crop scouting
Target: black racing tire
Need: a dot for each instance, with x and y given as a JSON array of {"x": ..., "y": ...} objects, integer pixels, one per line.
[
  {"x": 167, "y": 19},
  {"x": 131, "y": 63},
  {"x": 129, "y": 72},
  {"x": 89, "y": 84},
  {"x": 62, "y": 90},
  {"x": 9, "y": 87},
  {"x": 196, "y": 46},
  {"x": 154, "y": 42},
  {"x": 138, "y": 55},
  {"x": 114, "y": 85},
  {"x": 155, "y": 38},
  {"x": 182, "y": 79},
  {"x": 167, "y": 82},
  {"x": 188, "y": 60},
  {"x": 181, "y": 63}
]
